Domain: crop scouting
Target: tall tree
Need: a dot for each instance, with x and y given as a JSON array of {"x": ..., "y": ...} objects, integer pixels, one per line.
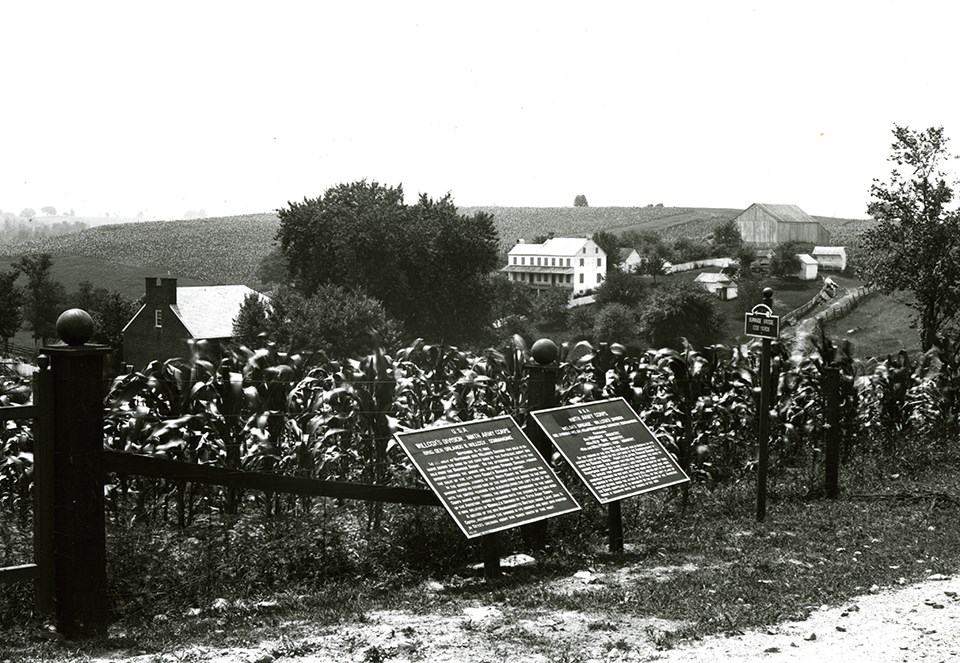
[
  {"x": 44, "y": 296},
  {"x": 251, "y": 320},
  {"x": 916, "y": 244},
  {"x": 609, "y": 244},
  {"x": 676, "y": 311},
  {"x": 580, "y": 201},
  {"x": 49, "y": 210},
  {"x": 784, "y": 260},
  {"x": 110, "y": 315},
  {"x": 726, "y": 239},
  {"x": 11, "y": 298},
  {"x": 426, "y": 263}
]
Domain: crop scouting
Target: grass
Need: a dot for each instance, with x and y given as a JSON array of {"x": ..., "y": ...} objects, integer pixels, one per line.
[
  {"x": 879, "y": 325},
  {"x": 724, "y": 571}
]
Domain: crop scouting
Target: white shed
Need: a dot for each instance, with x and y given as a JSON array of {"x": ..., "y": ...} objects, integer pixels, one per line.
[
  {"x": 629, "y": 260},
  {"x": 831, "y": 257},
  {"x": 718, "y": 284},
  {"x": 808, "y": 267}
]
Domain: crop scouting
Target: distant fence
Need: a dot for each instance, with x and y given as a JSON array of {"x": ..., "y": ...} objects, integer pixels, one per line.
[
  {"x": 838, "y": 309},
  {"x": 698, "y": 264}
]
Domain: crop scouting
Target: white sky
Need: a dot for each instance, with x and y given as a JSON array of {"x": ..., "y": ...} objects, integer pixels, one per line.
[{"x": 238, "y": 107}]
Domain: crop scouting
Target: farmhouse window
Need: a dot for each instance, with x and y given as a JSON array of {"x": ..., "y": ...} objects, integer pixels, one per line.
[
  {"x": 596, "y": 249},
  {"x": 523, "y": 261},
  {"x": 568, "y": 262},
  {"x": 538, "y": 262},
  {"x": 581, "y": 262},
  {"x": 599, "y": 278},
  {"x": 599, "y": 262},
  {"x": 553, "y": 262},
  {"x": 514, "y": 260},
  {"x": 581, "y": 278},
  {"x": 158, "y": 318},
  {"x": 569, "y": 277},
  {"x": 553, "y": 279}
]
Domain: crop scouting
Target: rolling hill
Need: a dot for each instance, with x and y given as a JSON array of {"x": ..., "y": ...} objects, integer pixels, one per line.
[{"x": 227, "y": 250}]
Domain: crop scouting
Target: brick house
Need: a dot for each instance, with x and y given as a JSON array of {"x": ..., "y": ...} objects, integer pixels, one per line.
[
  {"x": 576, "y": 264},
  {"x": 170, "y": 316}
]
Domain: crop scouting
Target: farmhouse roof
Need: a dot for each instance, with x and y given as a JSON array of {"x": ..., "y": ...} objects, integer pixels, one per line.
[
  {"x": 556, "y": 246},
  {"x": 208, "y": 311},
  {"x": 626, "y": 252},
  {"x": 786, "y": 213}
]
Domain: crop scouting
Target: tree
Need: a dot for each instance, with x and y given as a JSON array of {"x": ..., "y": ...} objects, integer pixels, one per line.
[
  {"x": 49, "y": 211},
  {"x": 251, "y": 320},
  {"x": 620, "y": 288},
  {"x": 551, "y": 308},
  {"x": 510, "y": 298},
  {"x": 726, "y": 239},
  {"x": 273, "y": 268},
  {"x": 916, "y": 244},
  {"x": 686, "y": 249},
  {"x": 335, "y": 320},
  {"x": 652, "y": 264},
  {"x": 112, "y": 313},
  {"x": 428, "y": 265},
  {"x": 784, "y": 260},
  {"x": 27, "y": 213},
  {"x": 44, "y": 297},
  {"x": 609, "y": 244},
  {"x": 580, "y": 320},
  {"x": 615, "y": 323},
  {"x": 676, "y": 311},
  {"x": 580, "y": 201},
  {"x": 746, "y": 256},
  {"x": 11, "y": 298}
]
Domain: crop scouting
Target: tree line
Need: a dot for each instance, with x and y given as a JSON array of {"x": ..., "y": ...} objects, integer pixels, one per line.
[{"x": 30, "y": 297}]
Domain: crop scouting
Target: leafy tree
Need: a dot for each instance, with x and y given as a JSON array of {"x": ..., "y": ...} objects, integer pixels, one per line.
[
  {"x": 11, "y": 298},
  {"x": 426, "y": 263},
  {"x": 27, "y": 213},
  {"x": 335, "y": 320},
  {"x": 49, "y": 211},
  {"x": 44, "y": 297},
  {"x": 746, "y": 257},
  {"x": 726, "y": 239},
  {"x": 510, "y": 298},
  {"x": 251, "y": 320},
  {"x": 784, "y": 260},
  {"x": 112, "y": 313},
  {"x": 676, "y": 311},
  {"x": 652, "y": 264},
  {"x": 273, "y": 268},
  {"x": 916, "y": 245},
  {"x": 686, "y": 249},
  {"x": 620, "y": 288},
  {"x": 580, "y": 201},
  {"x": 609, "y": 244},
  {"x": 580, "y": 320},
  {"x": 540, "y": 239},
  {"x": 551, "y": 309},
  {"x": 88, "y": 297},
  {"x": 615, "y": 323}
]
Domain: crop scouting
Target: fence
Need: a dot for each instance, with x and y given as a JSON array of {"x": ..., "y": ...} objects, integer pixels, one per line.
[{"x": 71, "y": 464}]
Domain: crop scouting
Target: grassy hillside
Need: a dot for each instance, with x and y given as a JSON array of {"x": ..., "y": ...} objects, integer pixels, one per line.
[
  {"x": 218, "y": 250},
  {"x": 878, "y": 326}
]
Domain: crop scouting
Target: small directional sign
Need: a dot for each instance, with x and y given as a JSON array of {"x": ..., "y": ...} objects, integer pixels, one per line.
[{"x": 761, "y": 323}]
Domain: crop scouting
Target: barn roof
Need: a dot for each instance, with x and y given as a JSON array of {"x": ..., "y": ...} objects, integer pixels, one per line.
[
  {"x": 208, "y": 311},
  {"x": 786, "y": 213}
]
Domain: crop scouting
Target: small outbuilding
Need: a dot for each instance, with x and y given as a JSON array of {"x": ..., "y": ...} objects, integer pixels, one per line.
[
  {"x": 718, "y": 284},
  {"x": 830, "y": 257},
  {"x": 808, "y": 267},
  {"x": 629, "y": 259}
]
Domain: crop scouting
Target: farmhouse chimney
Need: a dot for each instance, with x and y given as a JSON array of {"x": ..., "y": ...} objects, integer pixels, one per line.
[
  {"x": 160, "y": 291},
  {"x": 521, "y": 241}
]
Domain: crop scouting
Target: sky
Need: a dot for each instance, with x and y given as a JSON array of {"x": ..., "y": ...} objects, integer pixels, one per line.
[{"x": 239, "y": 107}]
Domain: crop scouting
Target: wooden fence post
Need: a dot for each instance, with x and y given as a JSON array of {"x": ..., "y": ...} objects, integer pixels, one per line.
[
  {"x": 80, "y": 574},
  {"x": 831, "y": 389},
  {"x": 43, "y": 486}
]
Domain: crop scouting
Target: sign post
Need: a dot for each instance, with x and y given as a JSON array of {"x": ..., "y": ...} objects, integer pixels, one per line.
[
  {"x": 761, "y": 323},
  {"x": 613, "y": 452}
]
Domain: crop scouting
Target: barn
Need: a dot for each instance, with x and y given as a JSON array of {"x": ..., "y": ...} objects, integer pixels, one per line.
[{"x": 764, "y": 226}]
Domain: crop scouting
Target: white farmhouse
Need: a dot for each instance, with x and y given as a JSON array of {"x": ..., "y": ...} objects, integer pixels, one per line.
[
  {"x": 574, "y": 263},
  {"x": 629, "y": 260}
]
